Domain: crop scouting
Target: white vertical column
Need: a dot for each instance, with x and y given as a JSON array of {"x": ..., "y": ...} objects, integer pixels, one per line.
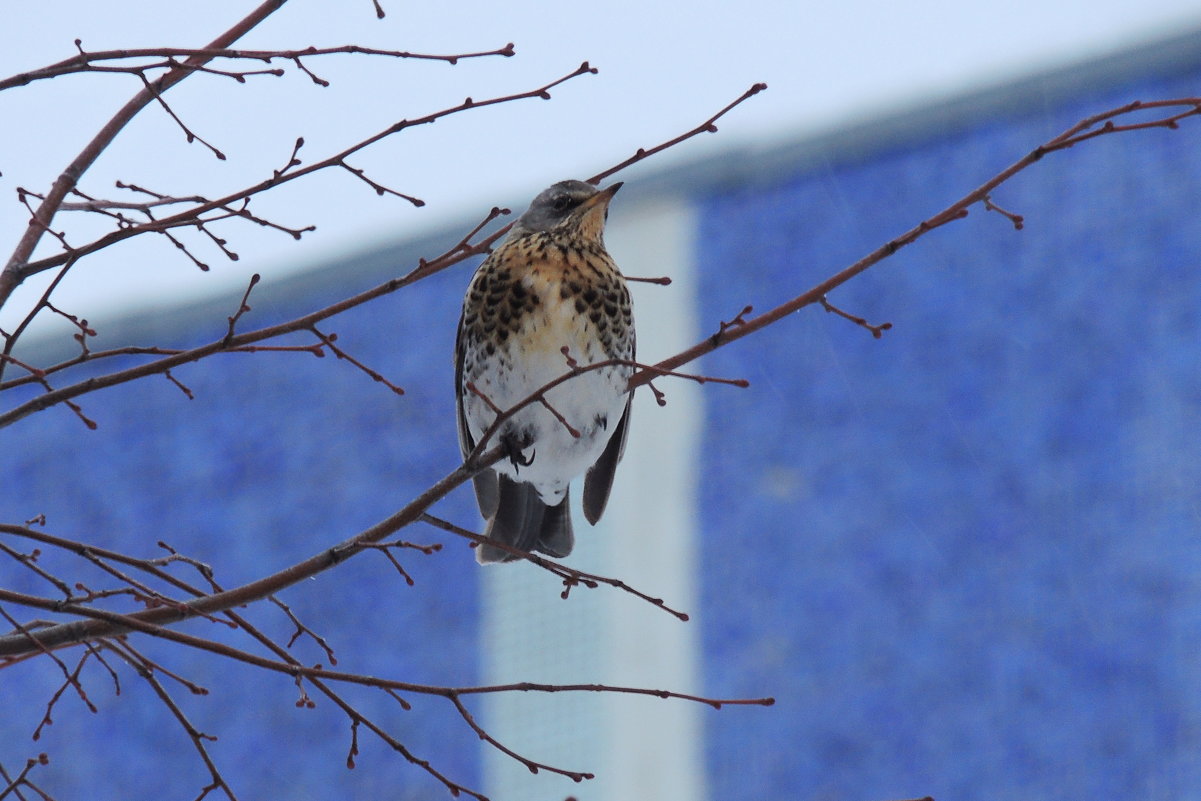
[
  {"x": 639, "y": 747},
  {"x": 655, "y": 746}
]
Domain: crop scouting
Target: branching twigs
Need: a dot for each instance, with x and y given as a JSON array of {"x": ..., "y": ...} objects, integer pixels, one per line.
[
  {"x": 151, "y": 567},
  {"x": 459, "y": 252},
  {"x": 168, "y": 58},
  {"x": 10, "y": 340},
  {"x": 187, "y": 132},
  {"x": 30, "y": 560},
  {"x": 386, "y": 548},
  {"x": 174, "y": 70},
  {"x": 247, "y": 342},
  {"x": 317, "y": 674},
  {"x": 303, "y": 630},
  {"x": 37, "y": 373},
  {"x": 23, "y": 269},
  {"x": 222, "y": 208},
  {"x": 357, "y": 718},
  {"x": 243, "y": 307},
  {"x": 106, "y": 624},
  {"x": 1092, "y": 127},
  {"x": 708, "y": 126},
  {"x": 13, "y": 784},
  {"x": 570, "y": 576},
  {"x": 328, "y": 340},
  {"x": 134, "y": 623},
  {"x": 146, "y": 669},
  {"x": 379, "y": 188},
  {"x": 877, "y": 331},
  {"x": 13, "y": 273},
  {"x": 84, "y": 630},
  {"x": 531, "y": 765},
  {"x": 71, "y": 678},
  {"x": 154, "y": 567},
  {"x": 164, "y": 611}
]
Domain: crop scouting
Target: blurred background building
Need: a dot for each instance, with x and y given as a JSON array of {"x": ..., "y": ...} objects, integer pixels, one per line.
[{"x": 963, "y": 558}]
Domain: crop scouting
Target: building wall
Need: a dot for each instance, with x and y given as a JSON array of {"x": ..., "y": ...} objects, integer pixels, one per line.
[
  {"x": 962, "y": 557},
  {"x": 278, "y": 456}
]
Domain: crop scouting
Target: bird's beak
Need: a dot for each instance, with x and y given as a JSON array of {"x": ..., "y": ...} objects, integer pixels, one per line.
[
  {"x": 591, "y": 215},
  {"x": 602, "y": 197}
]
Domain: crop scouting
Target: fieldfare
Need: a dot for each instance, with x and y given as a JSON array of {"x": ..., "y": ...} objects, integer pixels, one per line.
[{"x": 549, "y": 301}]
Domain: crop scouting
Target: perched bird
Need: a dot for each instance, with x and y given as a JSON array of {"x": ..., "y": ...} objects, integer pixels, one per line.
[{"x": 547, "y": 299}]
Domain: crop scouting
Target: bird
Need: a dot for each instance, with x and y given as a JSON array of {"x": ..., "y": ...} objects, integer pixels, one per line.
[{"x": 549, "y": 300}]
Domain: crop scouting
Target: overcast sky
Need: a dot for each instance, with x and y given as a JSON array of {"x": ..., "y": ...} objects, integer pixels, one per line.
[{"x": 664, "y": 67}]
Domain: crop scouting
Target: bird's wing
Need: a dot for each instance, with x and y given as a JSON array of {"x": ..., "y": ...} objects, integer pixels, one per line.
[
  {"x": 486, "y": 492},
  {"x": 599, "y": 478}
]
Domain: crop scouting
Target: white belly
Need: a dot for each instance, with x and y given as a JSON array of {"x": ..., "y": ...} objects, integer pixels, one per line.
[{"x": 591, "y": 402}]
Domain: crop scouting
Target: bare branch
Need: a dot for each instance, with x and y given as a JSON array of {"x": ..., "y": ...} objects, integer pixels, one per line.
[
  {"x": 464, "y": 249},
  {"x": 708, "y": 126},
  {"x": 146, "y": 669},
  {"x": 328, "y": 341},
  {"x": 30, "y": 560},
  {"x": 15, "y": 270},
  {"x": 530, "y": 764},
  {"x": 380, "y": 189},
  {"x": 243, "y": 307},
  {"x": 14, "y": 784},
  {"x": 245, "y": 342},
  {"x": 89, "y": 61},
  {"x": 20, "y": 269},
  {"x": 570, "y": 576},
  {"x": 1170, "y": 113},
  {"x": 135, "y": 623},
  {"x": 302, "y": 629},
  {"x": 877, "y": 331},
  {"x": 108, "y": 624},
  {"x": 71, "y": 678},
  {"x": 188, "y": 133}
]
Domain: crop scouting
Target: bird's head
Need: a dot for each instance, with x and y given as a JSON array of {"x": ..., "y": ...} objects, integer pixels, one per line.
[{"x": 569, "y": 206}]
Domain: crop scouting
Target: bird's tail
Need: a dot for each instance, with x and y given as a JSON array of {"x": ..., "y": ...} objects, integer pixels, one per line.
[{"x": 524, "y": 522}]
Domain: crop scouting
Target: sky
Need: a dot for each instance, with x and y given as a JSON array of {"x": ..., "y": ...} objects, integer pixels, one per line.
[{"x": 663, "y": 68}]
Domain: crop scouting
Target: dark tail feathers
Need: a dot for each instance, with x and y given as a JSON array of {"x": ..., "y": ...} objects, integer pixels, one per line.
[{"x": 524, "y": 522}]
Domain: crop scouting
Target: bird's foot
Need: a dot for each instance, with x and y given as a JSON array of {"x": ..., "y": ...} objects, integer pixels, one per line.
[{"x": 514, "y": 445}]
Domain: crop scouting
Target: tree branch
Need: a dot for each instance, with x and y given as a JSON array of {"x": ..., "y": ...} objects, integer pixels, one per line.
[
  {"x": 1088, "y": 128},
  {"x": 14, "y": 271},
  {"x": 87, "y": 62},
  {"x": 22, "y": 269}
]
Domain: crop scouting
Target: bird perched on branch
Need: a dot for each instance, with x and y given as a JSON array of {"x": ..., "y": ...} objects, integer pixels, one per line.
[{"x": 549, "y": 302}]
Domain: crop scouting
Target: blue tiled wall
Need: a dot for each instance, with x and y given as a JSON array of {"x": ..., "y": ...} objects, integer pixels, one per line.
[
  {"x": 965, "y": 558},
  {"x": 278, "y": 456}
]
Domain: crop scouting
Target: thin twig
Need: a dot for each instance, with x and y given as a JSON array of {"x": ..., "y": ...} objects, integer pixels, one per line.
[
  {"x": 15, "y": 269},
  {"x": 708, "y": 126},
  {"x": 1091, "y": 127},
  {"x": 87, "y": 61},
  {"x": 21, "y": 269},
  {"x": 146, "y": 669},
  {"x": 877, "y": 331}
]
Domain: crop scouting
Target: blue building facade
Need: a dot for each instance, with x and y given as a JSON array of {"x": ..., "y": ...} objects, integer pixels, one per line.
[
  {"x": 970, "y": 547},
  {"x": 963, "y": 557}
]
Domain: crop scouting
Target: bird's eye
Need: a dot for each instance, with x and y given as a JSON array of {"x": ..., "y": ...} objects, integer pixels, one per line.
[{"x": 561, "y": 203}]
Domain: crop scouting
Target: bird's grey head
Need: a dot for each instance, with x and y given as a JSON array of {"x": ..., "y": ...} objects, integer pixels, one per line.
[{"x": 559, "y": 203}]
